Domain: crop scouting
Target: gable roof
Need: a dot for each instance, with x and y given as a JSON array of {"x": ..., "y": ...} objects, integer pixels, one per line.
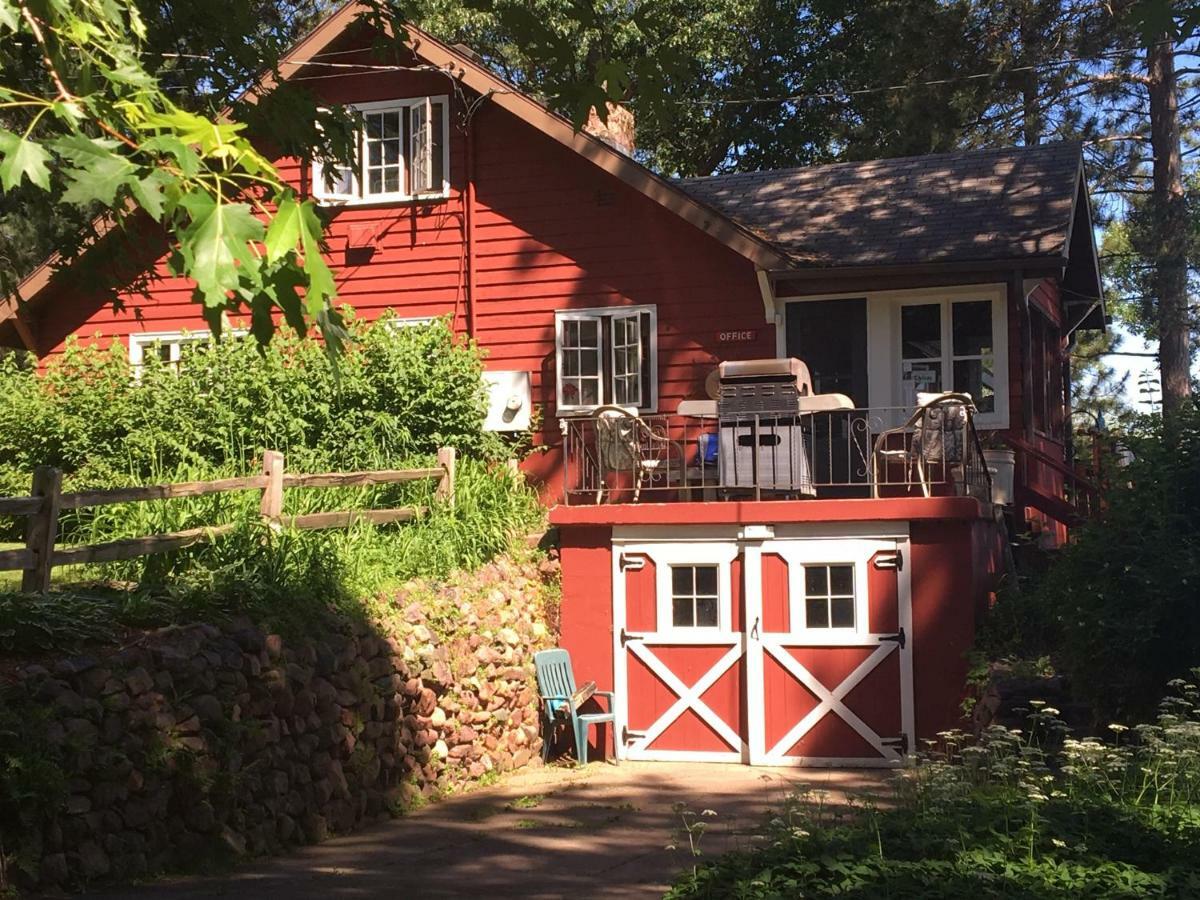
[{"x": 970, "y": 206}]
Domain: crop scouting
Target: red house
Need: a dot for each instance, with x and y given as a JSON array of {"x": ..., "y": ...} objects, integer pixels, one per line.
[{"x": 791, "y": 572}]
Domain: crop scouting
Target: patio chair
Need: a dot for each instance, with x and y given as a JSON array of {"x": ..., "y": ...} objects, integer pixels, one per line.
[
  {"x": 627, "y": 443},
  {"x": 561, "y": 701},
  {"x": 939, "y": 427}
]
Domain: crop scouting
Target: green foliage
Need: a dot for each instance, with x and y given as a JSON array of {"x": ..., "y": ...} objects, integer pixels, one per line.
[
  {"x": 1030, "y": 814},
  {"x": 397, "y": 395},
  {"x": 85, "y": 120},
  {"x": 1123, "y": 593}
]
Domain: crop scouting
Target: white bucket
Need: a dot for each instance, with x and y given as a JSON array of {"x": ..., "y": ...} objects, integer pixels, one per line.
[{"x": 1001, "y": 464}]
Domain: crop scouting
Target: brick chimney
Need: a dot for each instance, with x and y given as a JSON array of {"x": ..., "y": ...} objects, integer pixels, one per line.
[{"x": 619, "y": 132}]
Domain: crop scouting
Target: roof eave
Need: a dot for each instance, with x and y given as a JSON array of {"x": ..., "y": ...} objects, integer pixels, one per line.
[{"x": 800, "y": 271}]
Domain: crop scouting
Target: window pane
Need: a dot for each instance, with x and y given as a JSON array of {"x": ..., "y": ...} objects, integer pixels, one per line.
[
  {"x": 842, "y": 609},
  {"x": 439, "y": 169},
  {"x": 682, "y": 613},
  {"x": 706, "y": 612},
  {"x": 975, "y": 377},
  {"x": 972, "y": 328},
  {"x": 816, "y": 581},
  {"x": 391, "y": 153},
  {"x": 590, "y": 393},
  {"x": 391, "y": 124},
  {"x": 373, "y": 123},
  {"x": 589, "y": 333},
  {"x": 570, "y": 333},
  {"x": 375, "y": 181},
  {"x": 391, "y": 180},
  {"x": 816, "y": 613},
  {"x": 681, "y": 581},
  {"x": 921, "y": 331},
  {"x": 923, "y": 376},
  {"x": 706, "y": 580},
  {"x": 841, "y": 580},
  {"x": 589, "y": 362}
]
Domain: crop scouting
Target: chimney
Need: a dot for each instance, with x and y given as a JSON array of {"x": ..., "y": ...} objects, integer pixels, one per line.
[{"x": 619, "y": 132}]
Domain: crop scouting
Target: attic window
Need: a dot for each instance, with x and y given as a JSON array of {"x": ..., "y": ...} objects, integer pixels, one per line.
[{"x": 403, "y": 154}]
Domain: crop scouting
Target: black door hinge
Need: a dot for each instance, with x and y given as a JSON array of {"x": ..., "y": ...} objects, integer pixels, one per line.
[
  {"x": 898, "y": 743},
  {"x": 898, "y": 637},
  {"x": 890, "y": 561}
]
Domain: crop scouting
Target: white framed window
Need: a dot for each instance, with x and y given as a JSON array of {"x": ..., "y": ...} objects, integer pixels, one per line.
[
  {"x": 403, "y": 153},
  {"x": 695, "y": 596},
  {"x": 411, "y": 321},
  {"x": 958, "y": 343},
  {"x": 829, "y": 596},
  {"x": 172, "y": 347},
  {"x": 606, "y": 357}
]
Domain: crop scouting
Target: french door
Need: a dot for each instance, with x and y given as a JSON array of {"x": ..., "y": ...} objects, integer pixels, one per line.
[{"x": 774, "y": 650}]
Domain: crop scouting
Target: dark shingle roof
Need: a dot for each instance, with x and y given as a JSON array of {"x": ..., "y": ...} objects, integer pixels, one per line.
[{"x": 974, "y": 205}]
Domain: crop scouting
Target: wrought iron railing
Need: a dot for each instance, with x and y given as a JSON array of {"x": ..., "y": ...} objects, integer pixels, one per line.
[{"x": 613, "y": 457}]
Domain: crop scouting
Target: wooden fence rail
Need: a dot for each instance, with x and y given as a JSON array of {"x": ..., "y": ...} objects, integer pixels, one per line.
[{"x": 46, "y": 501}]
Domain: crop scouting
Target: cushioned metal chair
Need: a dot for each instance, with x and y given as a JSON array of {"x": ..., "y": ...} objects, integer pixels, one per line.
[{"x": 556, "y": 685}]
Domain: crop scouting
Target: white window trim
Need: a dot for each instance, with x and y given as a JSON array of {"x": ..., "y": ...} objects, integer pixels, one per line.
[
  {"x": 826, "y": 552},
  {"x": 721, "y": 556},
  {"x": 884, "y": 345},
  {"x": 650, "y": 404},
  {"x": 174, "y": 339},
  {"x": 799, "y": 605},
  {"x": 406, "y": 104},
  {"x": 410, "y": 321}
]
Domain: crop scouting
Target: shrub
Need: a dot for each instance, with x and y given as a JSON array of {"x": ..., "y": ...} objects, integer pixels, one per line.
[
  {"x": 397, "y": 393},
  {"x": 393, "y": 399},
  {"x": 1118, "y": 609}
]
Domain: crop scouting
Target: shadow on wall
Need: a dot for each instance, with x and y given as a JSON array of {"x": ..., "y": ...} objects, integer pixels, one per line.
[{"x": 194, "y": 745}]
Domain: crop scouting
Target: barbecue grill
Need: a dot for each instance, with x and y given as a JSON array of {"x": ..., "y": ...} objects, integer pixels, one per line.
[{"x": 758, "y": 413}]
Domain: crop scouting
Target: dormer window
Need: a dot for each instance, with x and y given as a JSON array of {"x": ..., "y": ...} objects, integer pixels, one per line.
[{"x": 403, "y": 154}]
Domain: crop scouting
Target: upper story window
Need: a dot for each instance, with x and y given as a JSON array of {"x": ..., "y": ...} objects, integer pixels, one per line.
[
  {"x": 950, "y": 345},
  {"x": 403, "y": 154},
  {"x": 607, "y": 357}
]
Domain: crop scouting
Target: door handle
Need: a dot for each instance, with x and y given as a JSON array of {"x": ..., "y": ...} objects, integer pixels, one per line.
[{"x": 899, "y": 638}]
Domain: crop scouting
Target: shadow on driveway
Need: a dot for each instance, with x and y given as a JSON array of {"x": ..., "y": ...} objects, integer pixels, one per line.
[{"x": 603, "y": 831}]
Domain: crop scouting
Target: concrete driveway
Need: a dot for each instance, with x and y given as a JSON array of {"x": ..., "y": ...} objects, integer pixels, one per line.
[{"x": 603, "y": 831}]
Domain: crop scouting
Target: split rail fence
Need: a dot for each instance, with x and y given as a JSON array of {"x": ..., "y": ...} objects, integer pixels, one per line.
[{"x": 47, "y": 501}]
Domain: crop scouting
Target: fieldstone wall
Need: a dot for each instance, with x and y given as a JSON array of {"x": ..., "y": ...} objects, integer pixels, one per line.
[{"x": 201, "y": 743}]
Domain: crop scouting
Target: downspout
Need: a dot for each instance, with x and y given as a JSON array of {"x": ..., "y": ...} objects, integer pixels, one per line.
[{"x": 469, "y": 229}]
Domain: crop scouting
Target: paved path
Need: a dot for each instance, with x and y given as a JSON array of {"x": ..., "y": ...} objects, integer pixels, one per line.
[{"x": 602, "y": 831}]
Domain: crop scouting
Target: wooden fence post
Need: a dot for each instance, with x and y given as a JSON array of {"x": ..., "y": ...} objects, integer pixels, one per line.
[
  {"x": 41, "y": 530},
  {"x": 272, "y": 499},
  {"x": 445, "y": 490}
]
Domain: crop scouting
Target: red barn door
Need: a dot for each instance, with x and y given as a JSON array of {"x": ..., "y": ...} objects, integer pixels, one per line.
[
  {"x": 830, "y": 672},
  {"x": 788, "y": 651}
]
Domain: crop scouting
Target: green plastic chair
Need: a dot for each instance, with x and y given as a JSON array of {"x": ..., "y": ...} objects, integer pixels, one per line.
[{"x": 556, "y": 685}]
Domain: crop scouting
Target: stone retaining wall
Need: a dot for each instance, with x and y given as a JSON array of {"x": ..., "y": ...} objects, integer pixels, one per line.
[{"x": 202, "y": 742}]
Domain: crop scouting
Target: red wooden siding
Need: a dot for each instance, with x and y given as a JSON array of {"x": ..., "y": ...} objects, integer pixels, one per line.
[{"x": 552, "y": 232}]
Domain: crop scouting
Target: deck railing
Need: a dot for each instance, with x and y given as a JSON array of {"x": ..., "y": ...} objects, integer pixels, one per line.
[{"x": 614, "y": 458}]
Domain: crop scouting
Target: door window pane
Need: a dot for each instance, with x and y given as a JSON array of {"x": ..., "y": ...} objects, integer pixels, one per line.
[
  {"x": 694, "y": 597},
  {"x": 829, "y": 595},
  {"x": 921, "y": 331},
  {"x": 972, "y": 328},
  {"x": 975, "y": 377}
]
